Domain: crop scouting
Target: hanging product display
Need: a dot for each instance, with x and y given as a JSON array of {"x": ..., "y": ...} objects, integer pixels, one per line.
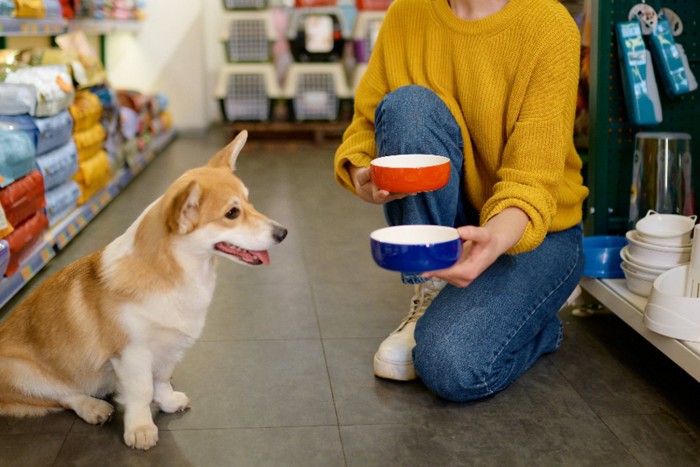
[
  {"x": 667, "y": 57},
  {"x": 638, "y": 80}
]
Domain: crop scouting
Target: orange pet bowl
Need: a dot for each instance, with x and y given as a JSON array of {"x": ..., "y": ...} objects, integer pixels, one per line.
[{"x": 410, "y": 173}]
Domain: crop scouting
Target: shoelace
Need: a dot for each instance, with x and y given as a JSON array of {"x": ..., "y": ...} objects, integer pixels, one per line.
[{"x": 423, "y": 297}]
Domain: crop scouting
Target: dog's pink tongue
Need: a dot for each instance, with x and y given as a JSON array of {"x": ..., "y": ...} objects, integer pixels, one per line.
[{"x": 263, "y": 256}]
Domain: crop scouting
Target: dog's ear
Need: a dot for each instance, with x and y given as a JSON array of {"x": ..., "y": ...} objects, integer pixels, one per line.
[
  {"x": 183, "y": 209},
  {"x": 227, "y": 157}
]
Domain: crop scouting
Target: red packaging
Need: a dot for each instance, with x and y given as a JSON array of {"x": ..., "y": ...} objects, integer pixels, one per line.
[
  {"x": 22, "y": 239},
  {"x": 23, "y": 198}
]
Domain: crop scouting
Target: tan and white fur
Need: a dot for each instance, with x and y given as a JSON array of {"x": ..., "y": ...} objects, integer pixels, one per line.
[{"x": 119, "y": 320}]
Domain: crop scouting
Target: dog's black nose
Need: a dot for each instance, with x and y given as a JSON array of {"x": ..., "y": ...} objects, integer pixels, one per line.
[{"x": 279, "y": 233}]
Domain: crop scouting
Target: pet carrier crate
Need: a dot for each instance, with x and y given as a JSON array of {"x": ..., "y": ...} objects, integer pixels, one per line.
[
  {"x": 382, "y": 5},
  {"x": 317, "y": 34},
  {"x": 315, "y": 90},
  {"x": 357, "y": 75},
  {"x": 245, "y": 4},
  {"x": 246, "y": 92},
  {"x": 365, "y": 34},
  {"x": 314, "y": 3},
  {"x": 248, "y": 36}
]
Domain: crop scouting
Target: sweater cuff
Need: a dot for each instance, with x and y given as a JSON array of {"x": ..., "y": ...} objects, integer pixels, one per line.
[{"x": 536, "y": 228}]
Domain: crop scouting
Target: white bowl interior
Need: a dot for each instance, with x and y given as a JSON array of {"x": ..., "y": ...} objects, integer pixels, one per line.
[
  {"x": 406, "y": 161},
  {"x": 415, "y": 234},
  {"x": 665, "y": 225}
]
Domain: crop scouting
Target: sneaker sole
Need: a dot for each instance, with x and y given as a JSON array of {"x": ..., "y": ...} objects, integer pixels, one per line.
[{"x": 397, "y": 371}]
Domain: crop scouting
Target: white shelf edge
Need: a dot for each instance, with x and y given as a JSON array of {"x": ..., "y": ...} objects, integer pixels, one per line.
[{"x": 613, "y": 294}]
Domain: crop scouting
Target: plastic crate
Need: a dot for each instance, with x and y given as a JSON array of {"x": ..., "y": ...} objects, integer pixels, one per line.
[
  {"x": 314, "y": 3},
  {"x": 365, "y": 34},
  {"x": 248, "y": 36},
  {"x": 245, "y": 92},
  {"x": 245, "y": 4},
  {"x": 315, "y": 90},
  {"x": 317, "y": 34},
  {"x": 373, "y": 4},
  {"x": 357, "y": 75}
]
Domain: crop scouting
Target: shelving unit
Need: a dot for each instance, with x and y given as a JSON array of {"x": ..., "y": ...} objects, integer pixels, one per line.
[
  {"x": 611, "y": 141},
  {"x": 629, "y": 307},
  {"x": 611, "y": 157},
  {"x": 56, "y": 238}
]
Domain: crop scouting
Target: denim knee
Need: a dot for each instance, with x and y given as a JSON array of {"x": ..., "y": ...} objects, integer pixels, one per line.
[
  {"x": 442, "y": 369},
  {"x": 413, "y": 119}
]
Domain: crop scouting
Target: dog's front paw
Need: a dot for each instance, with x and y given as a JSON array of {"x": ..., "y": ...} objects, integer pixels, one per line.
[
  {"x": 94, "y": 411},
  {"x": 177, "y": 402},
  {"x": 141, "y": 437}
]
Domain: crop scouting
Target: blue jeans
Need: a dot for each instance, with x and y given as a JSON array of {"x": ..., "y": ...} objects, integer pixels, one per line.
[{"x": 473, "y": 342}]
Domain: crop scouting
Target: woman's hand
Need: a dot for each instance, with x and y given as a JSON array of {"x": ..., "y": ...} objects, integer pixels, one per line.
[
  {"x": 483, "y": 246},
  {"x": 366, "y": 189}
]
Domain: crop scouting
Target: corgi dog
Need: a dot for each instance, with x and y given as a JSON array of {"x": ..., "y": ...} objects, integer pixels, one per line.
[{"x": 119, "y": 320}]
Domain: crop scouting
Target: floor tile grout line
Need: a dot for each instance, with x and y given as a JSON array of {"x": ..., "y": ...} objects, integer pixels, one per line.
[{"x": 328, "y": 373}]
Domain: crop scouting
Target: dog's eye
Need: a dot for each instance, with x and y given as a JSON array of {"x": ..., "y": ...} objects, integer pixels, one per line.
[{"x": 233, "y": 213}]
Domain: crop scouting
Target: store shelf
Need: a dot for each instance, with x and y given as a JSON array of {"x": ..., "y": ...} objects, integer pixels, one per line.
[
  {"x": 56, "y": 238},
  {"x": 613, "y": 294},
  {"x": 31, "y": 27},
  {"x": 103, "y": 26},
  {"x": 56, "y": 26},
  {"x": 42, "y": 253}
]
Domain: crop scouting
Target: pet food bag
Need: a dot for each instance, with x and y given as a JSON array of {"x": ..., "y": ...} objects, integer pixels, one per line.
[
  {"x": 23, "y": 238},
  {"x": 58, "y": 165},
  {"x": 23, "y": 198},
  {"x": 92, "y": 176},
  {"x": 48, "y": 133},
  {"x": 17, "y": 155},
  {"x": 4, "y": 257},
  {"x": 86, "y": 110},
  {"x": 51, "y": 84},
  {"x": 61, "y": 200},
  {"x": 89, "y": 142}
]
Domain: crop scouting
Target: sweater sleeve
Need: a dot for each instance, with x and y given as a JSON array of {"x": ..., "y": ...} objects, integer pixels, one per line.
[
  {"x": 358, "y": 145},
  {"x": 535, "y": 152}
]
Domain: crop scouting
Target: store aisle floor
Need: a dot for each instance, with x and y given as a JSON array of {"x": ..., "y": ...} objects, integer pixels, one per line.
[{"x": 283, "y": 372}]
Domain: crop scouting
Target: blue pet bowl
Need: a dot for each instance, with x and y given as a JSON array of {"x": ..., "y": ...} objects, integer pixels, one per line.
[
  {"x": 415, "y": 248},
  {"x": 603, "y": 256}
]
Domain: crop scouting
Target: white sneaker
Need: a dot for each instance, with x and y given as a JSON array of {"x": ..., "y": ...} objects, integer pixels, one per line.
[{"x": 394, "y": 358}]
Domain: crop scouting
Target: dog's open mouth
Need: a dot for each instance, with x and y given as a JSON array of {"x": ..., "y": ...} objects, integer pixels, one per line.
[{"x": 251, "y": 257}]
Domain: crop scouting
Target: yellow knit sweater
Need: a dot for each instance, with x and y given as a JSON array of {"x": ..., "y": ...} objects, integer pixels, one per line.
[{"x": 510, "y": 80}]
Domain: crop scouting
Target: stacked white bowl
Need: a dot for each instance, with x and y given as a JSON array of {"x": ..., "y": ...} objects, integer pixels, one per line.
[{"x": 658, "y": 243}]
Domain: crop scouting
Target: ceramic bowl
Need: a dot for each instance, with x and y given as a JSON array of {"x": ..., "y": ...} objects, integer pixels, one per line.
[
  {"x": 668, "y": 311},
  {"x": 415, "y": 248},
  {"x": 665, "y": 229},
  {"x": 638, "y": 266},
  {"x": 410, "y": 173},
  {"x": 659, "y": 256},
  {"x": 638, "y": 282},
  {"x": 602, "y": 256}
]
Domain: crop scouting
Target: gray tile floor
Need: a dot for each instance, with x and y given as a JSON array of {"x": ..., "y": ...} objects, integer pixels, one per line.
[{"x": 283, "y": 372}]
